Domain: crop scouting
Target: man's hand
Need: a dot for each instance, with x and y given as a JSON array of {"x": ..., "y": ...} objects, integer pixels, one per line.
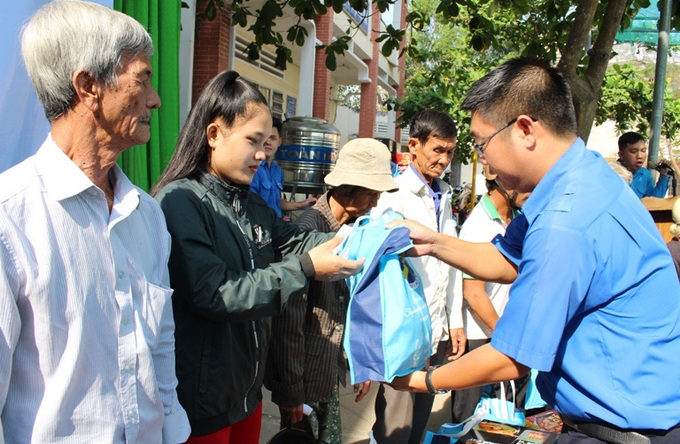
[
  {"x": 309, "y": 202},
  {"x": 295, "y": 413},
  {"x": 423, "y": 238},
  {"x": 362, "y": 390},
  {"x": 328, "y": 266},
  {"x": 664, "y": 168},
  {"x": 458, "y": 339}
]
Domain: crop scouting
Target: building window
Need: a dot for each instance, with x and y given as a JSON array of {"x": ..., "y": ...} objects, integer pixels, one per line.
[
  {"x": 276, "y": 104},
  {"x": 265, "y": 62}
]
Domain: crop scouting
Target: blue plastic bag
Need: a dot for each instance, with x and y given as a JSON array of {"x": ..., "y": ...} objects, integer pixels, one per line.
[
  {"x": 533, "y": 397},
  {"x": 388, "y": 329},
  {"x": 449, "y": 433},
  {"x": 501, "y": 410}
]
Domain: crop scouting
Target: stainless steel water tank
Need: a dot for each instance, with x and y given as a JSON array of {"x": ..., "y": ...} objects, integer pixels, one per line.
[{"x": 307, "y": 153}]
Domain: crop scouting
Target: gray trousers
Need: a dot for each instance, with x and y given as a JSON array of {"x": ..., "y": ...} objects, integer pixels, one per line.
[{"x": 401, "y": 417}]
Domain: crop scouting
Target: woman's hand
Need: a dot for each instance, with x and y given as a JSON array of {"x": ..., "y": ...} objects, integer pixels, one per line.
[{"x": 328, "y": 266}]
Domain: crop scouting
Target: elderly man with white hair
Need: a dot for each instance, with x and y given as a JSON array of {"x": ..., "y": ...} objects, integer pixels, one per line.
[{"x": 86, "y": 325}]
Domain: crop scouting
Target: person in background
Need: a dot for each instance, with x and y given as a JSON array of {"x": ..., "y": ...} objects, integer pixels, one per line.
[
  {"x": 268, "y": 180},
  {"x": 306, "y": 361},
  {"x": 86, "y": 326},
  {"x": 633, "y": 156},
  {"x": 588, "y": 267},
  {"x": 484, "y": 301},
  {"x": 424, "y": 197},
  {"x": 674, "y": 244},
  {"x": 234, "y": 262}
]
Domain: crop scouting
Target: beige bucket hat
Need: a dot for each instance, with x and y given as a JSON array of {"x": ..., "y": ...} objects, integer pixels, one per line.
[{"x": 364, "y": 163}]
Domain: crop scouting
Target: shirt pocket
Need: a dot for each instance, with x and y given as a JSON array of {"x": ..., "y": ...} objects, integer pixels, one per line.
[{"x": 156, "y": 313}]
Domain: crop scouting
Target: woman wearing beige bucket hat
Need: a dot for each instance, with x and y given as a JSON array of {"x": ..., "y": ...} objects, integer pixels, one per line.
[{"x": 306, "y": 362}]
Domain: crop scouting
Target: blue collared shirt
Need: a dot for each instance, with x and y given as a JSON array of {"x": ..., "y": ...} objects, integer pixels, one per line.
[
  {"x": 268, "y": 183},
  {"x": 643, "y": 184},
  {"x": 596, "y": 303}
]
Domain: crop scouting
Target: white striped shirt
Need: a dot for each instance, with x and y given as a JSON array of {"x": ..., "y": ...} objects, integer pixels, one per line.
[{"x": 86, "y": 326}]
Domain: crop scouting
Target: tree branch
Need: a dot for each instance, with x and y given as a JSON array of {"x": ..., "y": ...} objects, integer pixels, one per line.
[{"x": 583, "y": 23}]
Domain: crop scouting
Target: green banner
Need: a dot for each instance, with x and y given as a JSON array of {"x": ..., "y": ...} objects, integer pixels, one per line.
[{"x": 144, "y": 163}]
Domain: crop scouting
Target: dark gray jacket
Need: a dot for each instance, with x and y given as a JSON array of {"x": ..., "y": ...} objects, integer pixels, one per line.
[
  {"x": 225, "y": 241},
  {"x": 306, "y": 359}
]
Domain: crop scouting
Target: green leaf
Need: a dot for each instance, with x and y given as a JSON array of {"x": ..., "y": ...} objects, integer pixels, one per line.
[
  {"x": 337, "y": 6},
  {"x": 358, "y": 5},
  {"x": 270, "y": 10},
  {"x": 240, "y": 17},
  {"x": 478, "y": 43},
  {"x": 283, "y": 57},
  {"x": 331, "y": 62},
  {"x": 448, "y": 9},
  {"x": 319, "y": 7},
  {"x": 210, "y": 12},
  {"x": 253, "y": 51},
  {"x": 383, "y": 5}
]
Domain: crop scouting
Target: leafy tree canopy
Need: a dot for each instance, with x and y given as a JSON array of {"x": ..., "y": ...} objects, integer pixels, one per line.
[{"x": 451, "y": 43}]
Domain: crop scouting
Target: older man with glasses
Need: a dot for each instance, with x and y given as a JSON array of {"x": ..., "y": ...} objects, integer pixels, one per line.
[{"x": 424, "y": 197}]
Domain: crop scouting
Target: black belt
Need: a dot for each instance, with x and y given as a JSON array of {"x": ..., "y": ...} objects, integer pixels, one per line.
[{"x": 607, "y": 432}]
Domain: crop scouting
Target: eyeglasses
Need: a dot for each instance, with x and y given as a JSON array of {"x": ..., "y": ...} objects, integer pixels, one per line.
[{"x": 479, "y": 147}]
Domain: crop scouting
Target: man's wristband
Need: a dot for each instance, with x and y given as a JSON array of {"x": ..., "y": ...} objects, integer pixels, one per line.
[{"x": 428, "y": 382}]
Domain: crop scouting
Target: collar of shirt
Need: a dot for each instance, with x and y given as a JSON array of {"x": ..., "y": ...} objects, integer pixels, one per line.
[
  {"x": 489, "y": 208},
  {"x": 641, "y": 172},
  {"x": 63, "y": 179},
  {"x": 434, "y": 191},
  {"x": 324, "y": 208},
  {"x": 541, "y": 195}
]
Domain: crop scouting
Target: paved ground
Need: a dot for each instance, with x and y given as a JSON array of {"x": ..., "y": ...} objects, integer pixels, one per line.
[{"x": 357, "y": 418}]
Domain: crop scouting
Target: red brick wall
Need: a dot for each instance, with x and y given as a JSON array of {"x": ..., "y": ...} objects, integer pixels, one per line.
[
  {"x": 402, "y": 68},
  {"x": 211, "y": 48},
  {"x": 369, "y": 91},
  {"x": 322, "y": 76}
]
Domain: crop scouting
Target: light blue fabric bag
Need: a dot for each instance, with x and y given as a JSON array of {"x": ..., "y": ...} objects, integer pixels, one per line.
[
  {"x": 501, "y": 410},
  {"x": 388, "y": 331},
  {"x": 449, "y": 432},
  {"x": 533, "y": 397}
]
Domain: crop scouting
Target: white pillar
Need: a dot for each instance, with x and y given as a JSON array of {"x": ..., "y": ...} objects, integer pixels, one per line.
[
  {"x": 305, "y": 101},
  {"x": 186, "y": 59}
]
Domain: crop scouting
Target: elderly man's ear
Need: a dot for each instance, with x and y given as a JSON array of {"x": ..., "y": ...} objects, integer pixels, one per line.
[{"x": 88, "y": 91}]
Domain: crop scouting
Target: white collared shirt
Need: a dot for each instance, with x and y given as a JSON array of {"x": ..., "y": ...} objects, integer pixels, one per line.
[
  {"x": 414, "y": 202},
  {"x": 482, "y": 225},
  {"x": 86, "y": 325}
]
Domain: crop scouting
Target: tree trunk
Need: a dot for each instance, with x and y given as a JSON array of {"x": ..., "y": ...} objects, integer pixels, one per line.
[{"x": 587, "y": 89}]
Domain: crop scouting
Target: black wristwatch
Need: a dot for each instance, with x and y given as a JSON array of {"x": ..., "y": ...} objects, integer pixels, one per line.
[{"x": 428, "y": 382}]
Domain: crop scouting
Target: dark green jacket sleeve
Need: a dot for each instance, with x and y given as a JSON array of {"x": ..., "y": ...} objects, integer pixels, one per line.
[{"x": 210, "y": 264}]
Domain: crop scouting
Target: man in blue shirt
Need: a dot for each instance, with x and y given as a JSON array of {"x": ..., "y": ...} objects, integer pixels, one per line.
[
  {"x": 595, "y": 303},
  {"x": 268, "y": 180},
  {"x": 633, "y": 155}
]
